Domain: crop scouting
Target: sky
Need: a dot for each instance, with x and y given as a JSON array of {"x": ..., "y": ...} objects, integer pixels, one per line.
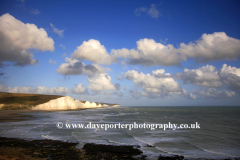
[{"x": 134, "y": 53}]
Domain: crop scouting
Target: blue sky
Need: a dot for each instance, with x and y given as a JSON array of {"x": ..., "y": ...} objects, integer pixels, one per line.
[{"x": 156, "y": 53}]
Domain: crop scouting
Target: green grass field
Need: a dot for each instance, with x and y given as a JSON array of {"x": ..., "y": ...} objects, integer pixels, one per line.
[{"x": 23, "y": 101}]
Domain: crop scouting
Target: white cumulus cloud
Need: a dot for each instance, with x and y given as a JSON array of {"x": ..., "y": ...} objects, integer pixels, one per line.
[
  {"x": 79, "y": 89},
  {"x": 154, "y": 86},
  {"x": 93, "y": 51},
  {"x": 101, "y": 83},
  {"x": 214, "y": 46},
  {"x": 206, "y": 76},
  {"x": 17, "y": 38},
  {"x": 150, "y": 53},
  {"x": 231, "y": 77}
]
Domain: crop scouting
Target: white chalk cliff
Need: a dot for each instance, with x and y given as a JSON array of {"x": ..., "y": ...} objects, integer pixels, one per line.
[{"x": 67, "y": 103}]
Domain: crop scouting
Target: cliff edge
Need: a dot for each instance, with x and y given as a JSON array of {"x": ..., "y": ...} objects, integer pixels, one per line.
[
  {"x": 19, "y": 101},
  {"x": 68, "y": 103}
]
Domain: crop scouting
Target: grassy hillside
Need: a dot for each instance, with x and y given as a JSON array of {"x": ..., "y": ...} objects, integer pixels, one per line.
[{"x": 23, "y": 101}]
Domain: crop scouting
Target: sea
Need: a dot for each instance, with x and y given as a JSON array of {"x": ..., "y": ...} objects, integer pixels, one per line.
[{"x": 216, "y": 135}]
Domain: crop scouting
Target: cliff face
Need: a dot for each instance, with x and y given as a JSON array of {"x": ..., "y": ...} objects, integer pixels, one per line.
[
  {"x": 67, "y": 103},
  {"x": 62, "y": 103}
]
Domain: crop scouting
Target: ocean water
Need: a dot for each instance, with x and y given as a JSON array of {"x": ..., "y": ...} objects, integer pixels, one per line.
[{"x": 217, "y": 138}]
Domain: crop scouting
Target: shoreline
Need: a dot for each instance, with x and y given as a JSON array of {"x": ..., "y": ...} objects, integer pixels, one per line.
[
  {"x": 14, "y": 148},
  {"x": 21, "y": 149},
  {"x": 56, "y": 149}
]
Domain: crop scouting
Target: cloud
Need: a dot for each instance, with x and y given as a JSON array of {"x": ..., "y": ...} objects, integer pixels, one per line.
[
  {"x": 184, "y": 93},
  {"x": 119, "y": 78},
  {"x": 123, "y": 63},
  {"x": 101, "y": 83},
  {"x": 135, "y": 94},
  {"x": 151, "y": 83},
  {"x": 191, "y": 96},
  {"x": 216, "y": 46},
  {"x": 118, "y": 93},
  {"x": 150, "y": 53},
  {"x": 76, "y": 67},
  {"x": 52, "y": 90},
  {"x": 117, "y": 86},
  {"x": 139, "y": 10},
  {"x": 153, "y": 11},
  {"x": 1, "y": 74},
  {"x": 93, "y": 51},
  {"x": 206, "y": 76},
  {"x": 52, "y": 62},
  {"x": 124, "y": 88},
  {"x": 79, "y": 89},
  {"x": 231, "y": 77},
  {"x": 214, "y": 93},
  {"x": 160, "y": 74},
  {"x": 55, "y": 30},
  {"x": 209, "y": 76},
  {"x": 3, "y": 88},
  {"x": 64, "y": 55},
  {"x": 17, "y": 38},
  {"x": 35, "y": 11},
  {"x": 61, "y": 45},
  {"x": 38, "y": 90},
  {"x": 154, "y": 86}
]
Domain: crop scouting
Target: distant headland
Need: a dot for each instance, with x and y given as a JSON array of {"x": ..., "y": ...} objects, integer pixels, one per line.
[{"x": 22, "y": 101}]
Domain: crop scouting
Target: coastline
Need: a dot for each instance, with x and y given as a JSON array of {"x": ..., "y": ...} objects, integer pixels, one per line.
[
  {"x": 14, "y": 148},
  {"x": 20, "y": 149}
]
